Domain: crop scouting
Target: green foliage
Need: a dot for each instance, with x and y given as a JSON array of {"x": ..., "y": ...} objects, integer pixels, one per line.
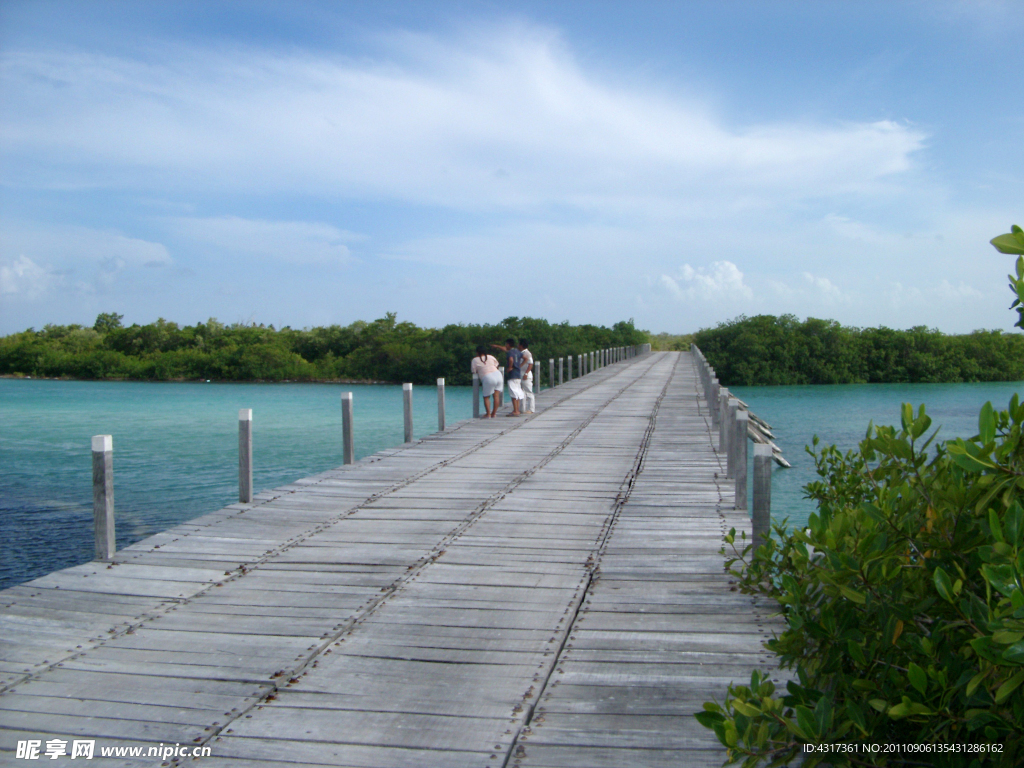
[
  {"x": 904, "y": 603},
  {"x": 1013, "y": 243},
  {"x": 107, "y": 321},
  {"x": 765, "y": 350},
  {"x": 382, "y": 350},
  {"x": 668, "y": 342}
]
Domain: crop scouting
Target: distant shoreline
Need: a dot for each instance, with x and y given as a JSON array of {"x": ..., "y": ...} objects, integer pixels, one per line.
[{"x": 204, "y": 381}]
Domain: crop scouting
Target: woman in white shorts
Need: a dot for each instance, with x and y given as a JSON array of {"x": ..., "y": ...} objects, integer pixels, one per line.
[{"x": 486, "y": 368}]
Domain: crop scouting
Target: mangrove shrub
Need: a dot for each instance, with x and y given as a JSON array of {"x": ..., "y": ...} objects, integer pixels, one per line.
[{"x": 903, "y": 602}]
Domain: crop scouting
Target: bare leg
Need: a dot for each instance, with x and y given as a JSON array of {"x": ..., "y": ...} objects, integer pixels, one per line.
[
  {"x": 515, "y": 407},
  {"x": 487, "y": 406}
]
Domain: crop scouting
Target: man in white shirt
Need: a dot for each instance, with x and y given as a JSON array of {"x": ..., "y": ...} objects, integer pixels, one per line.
[{"x": 527, "y": 369}]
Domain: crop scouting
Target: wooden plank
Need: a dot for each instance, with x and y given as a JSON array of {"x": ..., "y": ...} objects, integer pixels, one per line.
[{"x": 411, "y": 608}]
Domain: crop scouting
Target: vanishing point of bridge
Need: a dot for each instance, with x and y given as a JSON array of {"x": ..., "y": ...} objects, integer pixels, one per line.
[{"x": 545, "y": 591}]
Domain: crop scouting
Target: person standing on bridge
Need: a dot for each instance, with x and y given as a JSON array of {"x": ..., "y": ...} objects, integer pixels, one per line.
[
  {"x": 527, "y": 368},
  {"x": 513, "y": 374},
  {"x": 486, "y": 368}
]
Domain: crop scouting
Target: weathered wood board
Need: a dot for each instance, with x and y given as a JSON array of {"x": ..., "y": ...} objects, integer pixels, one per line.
[{"x": 543, "y": 591}]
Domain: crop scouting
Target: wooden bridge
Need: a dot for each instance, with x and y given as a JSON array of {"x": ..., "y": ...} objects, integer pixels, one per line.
[{"x": 545, "y": 591}]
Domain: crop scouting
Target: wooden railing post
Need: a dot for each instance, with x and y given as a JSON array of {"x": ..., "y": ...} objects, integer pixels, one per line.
[
  {"x": 476, "y": 396},
  {"x": 732, "y": 409},
  {"x": 761, "y": 513},
  {"x": 551, "y": 372},
  {"x": 103, "y": 495},
  {"x": 561, "y": 361},
  {"x": 245, "y": 455},
  {"x": 723, "y": 418},
  {"x": 440, "y": 405},
  {"x": 740, "y": 464},
  {"x": 569, "y": 368},
  {"x": 407, "y": 410},
  {"x": 347, "y": 440},
  {"x": 713, "y": 401}
]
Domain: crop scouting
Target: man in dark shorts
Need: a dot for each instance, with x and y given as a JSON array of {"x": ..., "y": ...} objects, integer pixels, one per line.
[{"x": 514, "y": 375}]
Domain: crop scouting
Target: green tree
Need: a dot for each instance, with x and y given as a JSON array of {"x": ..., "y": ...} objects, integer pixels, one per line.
[
  {"x": 903, "y": 601},
  {"x": 107, "y": 321}
]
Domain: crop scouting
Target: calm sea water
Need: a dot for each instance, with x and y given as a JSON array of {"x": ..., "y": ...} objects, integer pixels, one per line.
[
  {"x": 176, "y": 446},
  {"x": 175, "y": 453},
  {"x": 839, "y": 415}
]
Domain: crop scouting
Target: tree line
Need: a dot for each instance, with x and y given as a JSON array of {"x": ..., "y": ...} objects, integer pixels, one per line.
[
  {"x": 384, "y": 350},
  {"x": 746, "y": 351},
  {"x": 766, "y": 349}
]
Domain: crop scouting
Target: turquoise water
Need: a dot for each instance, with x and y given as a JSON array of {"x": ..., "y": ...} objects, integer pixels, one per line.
[
  {"x": 839, "y": 414},
  {"x": 176, "y": 446},
  {"x": 175, "y": 452}
]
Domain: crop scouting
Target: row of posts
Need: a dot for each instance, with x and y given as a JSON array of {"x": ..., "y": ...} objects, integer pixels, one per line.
[
  {"x": 103, "y": 445},
  {"x": 588, "y": 362},
  {"x": 732, "y": 422},
  {"x": 103, "y": 463}
]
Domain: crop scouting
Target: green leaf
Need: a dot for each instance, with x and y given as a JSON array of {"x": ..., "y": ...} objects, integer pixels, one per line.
[
  {"x": 960, "y": 455},
  {"x": 856, "y": 714},
  {"x": 943, "y": 585},
  {"x": 899, "y": 710},
  {"x": 1011, "y": 242},
  {"x": 972, "y": 686},
  {"x": 879, "y": 704},
  {"x": 730, "y": 734},
  {"x": 918, "y": 678},
  {"x": 987, "y": 424},
  {"x": 856, "y": 653},
  {"x": 1002, "y": 577},
  {"x": 921, "y": 423},
  {"x": 1009, "y": 687},
  {"x": 746, "y": 708},
  {"x": 1007, "y": 637},
  {"x": 993, "y": 524},
  {"x": 1015, "y": 525},
  {"x": 708, "y": 719},
  {"x": 1015, "y": 653},
  {"x": 906, "y": 416},
  {"x": 805, "y": 719},
  {"x": 854, "y": 595}
]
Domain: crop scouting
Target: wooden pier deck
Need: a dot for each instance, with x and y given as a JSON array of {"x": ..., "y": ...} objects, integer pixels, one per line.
[{"x": 537, "y": 592}]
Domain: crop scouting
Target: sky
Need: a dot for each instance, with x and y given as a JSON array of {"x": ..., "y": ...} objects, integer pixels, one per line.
[{"x": 677, "y": 163}]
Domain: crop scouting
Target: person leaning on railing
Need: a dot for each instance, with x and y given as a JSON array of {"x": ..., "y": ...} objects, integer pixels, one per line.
[{"x": 486, "y": 369}]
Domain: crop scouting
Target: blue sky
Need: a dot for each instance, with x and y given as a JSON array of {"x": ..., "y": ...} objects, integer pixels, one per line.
[{"x": 677, "y": 163}]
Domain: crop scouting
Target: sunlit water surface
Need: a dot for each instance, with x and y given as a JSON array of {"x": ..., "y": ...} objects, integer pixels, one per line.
[
  {"x": 176, "y": 444},
  {"x": 839, "y": 414},
  {"x": 175, "y": 453}
]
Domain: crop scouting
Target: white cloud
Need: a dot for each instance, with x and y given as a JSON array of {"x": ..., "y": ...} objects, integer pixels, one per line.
[
  {"x": 295, "y": 242},
  {"x": 959, "y": 292},
  {"x": 823, "y": 287},
  {"x": 722, "y": 280},
  {"x": 69, "y": 245},
  {"x": 510, "y": 121},
  {"x": 39, "y": 258},
  {"x": 23, "y": 277}
]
